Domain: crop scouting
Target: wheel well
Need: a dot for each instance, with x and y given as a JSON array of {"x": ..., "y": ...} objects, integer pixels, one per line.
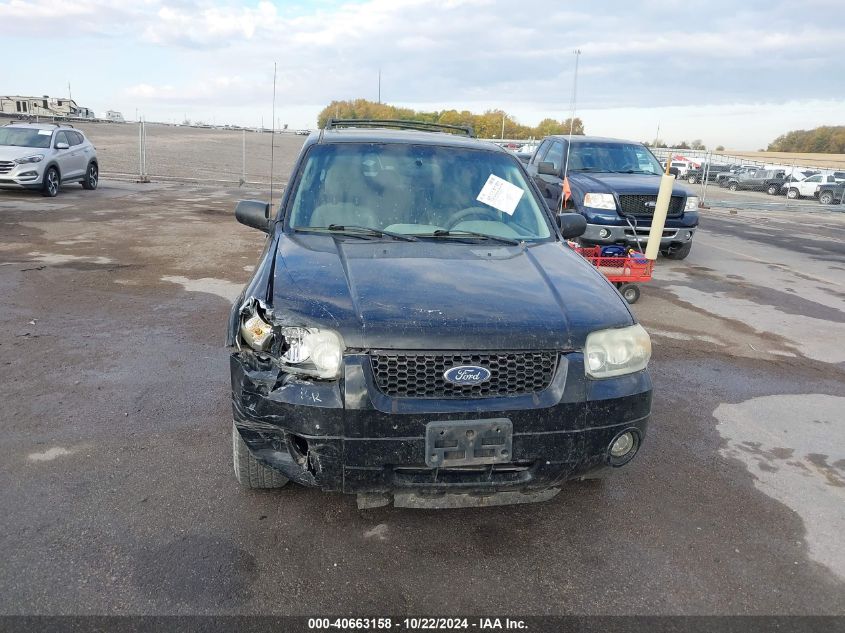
[{"x": 54, "y": 165}]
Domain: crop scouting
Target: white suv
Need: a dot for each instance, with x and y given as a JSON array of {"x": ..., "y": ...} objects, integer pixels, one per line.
[{"x": 45, "y": 156}]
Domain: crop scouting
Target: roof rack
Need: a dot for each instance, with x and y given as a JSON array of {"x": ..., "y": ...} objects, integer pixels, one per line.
[
  {"x": 27, "y": 122},
  {"x": 422, "y": 126}
]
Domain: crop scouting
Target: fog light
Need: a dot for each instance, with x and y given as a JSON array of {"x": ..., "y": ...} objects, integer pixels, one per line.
[
  {"x": 604, "y": 233},
  {"x": 687, "y": 235},
  {"x": 622, "y": 445}
]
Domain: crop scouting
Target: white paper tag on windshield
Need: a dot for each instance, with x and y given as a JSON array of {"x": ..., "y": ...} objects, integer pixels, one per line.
[
  {"x": 45, "y": 132},
  {"x": 500, "y": 194}
]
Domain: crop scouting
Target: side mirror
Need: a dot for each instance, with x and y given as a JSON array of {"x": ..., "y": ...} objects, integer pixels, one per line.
[
  {"x": 254, "y": 213},
  {"x": 571, "y": 225},
  {"x": 547, "y": 169},
  {"x": 62, "y": 146}
]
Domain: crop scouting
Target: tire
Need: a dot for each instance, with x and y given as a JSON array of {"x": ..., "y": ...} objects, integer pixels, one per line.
[
  {"x": 772, "y": 190},
  {"x": 630, "y": 292},
  {"x": 793, "y": 194},
  {"x": 250, "y": 472},
  {"x": 51, "y": 184},
  {"x": 679, "y": 253},
  {"x": 826, "y": 197},
  {"x": 733, "y": 186},
  {"x": 692, "y": 180},
  {"x": 92, "y": 177}
]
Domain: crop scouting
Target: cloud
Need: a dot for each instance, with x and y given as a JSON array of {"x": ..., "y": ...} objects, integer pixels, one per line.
[
  {"x": 210, "y": 26},
  {"x": 492, "y": 53}
]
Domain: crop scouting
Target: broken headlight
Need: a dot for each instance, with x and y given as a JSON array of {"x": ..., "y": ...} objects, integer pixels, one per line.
[
  {"x": 312, "y": 351},
  {"x": 256, "y": 333}
]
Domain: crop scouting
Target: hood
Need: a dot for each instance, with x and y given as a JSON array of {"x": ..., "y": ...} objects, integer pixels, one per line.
[
  {"x": 11, "y": 152},
  {"x": 447, "y": 295},
  {"x": 639, "y": 184}
]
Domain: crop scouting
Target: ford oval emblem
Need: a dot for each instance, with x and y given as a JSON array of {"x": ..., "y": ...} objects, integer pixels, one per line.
[{"x": 467, "y": 375}]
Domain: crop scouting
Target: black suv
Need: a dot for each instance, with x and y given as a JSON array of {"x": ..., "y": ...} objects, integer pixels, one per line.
[{"x": 419, "y": 328}]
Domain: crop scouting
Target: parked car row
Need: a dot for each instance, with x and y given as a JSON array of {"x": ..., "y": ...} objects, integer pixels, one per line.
[{"x": 795, "y": 184}]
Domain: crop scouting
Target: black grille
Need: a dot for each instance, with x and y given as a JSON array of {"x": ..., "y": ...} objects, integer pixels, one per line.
[
  {"x": 6, "y": 166},
  {"x": 641, "y": 205},
  {"x": 421, "y": 375}
]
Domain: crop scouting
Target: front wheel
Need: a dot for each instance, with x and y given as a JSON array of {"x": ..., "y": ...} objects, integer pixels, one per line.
[
  {"x": 826, "y": 197},
  {"x": 92, "y": 176},
  {"x": 733, "y": 186},
  {"x": 692, "y": 180},
  {"x": 250, "y": 472},
  {"x": 50, "y": 186},
  {"x": 773, "y": 190},
  {"x": 793, "y": 194},
  {"x": 679, "y": 252}
]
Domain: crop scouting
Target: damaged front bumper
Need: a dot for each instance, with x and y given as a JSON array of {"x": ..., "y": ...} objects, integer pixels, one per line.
[{"x": 345, "y": 435}]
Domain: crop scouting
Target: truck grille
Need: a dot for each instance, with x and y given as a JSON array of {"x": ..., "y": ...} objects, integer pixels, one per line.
[
  {"x": 636, "y": 205},
  {"x": 421, "y": 375},
  {"x": 6, "y": 166}
]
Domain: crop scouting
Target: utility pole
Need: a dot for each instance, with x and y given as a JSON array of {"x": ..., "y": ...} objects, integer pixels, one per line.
[
  {"x": 379, "y": 86},
  {"x": 69, "y": 95},
  {"x": 503, "y": 126}
]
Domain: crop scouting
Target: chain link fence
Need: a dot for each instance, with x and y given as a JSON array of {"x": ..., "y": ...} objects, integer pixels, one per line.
[
  {"x": 210, "y": 155},
  {"x": 238, "y": 156},
  {"x": 757, "y": 180}
]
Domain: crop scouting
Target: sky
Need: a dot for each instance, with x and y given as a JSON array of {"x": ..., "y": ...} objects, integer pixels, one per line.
[{"x": 732, "y": 73}]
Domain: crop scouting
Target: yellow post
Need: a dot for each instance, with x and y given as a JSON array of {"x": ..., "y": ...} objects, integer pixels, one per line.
[{"x": 661, "y": 208}]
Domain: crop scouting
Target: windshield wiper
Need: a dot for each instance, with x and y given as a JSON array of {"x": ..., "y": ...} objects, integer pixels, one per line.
[
  {"x": 485, "y": 236},
  {"x": 634, "y": 171},
  {"x": 355, "y": 231}
]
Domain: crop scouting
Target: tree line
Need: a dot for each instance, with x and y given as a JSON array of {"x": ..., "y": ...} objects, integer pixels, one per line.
[
  {"x": 828, "y": 139},
  {"x": 486, "y": 125}
]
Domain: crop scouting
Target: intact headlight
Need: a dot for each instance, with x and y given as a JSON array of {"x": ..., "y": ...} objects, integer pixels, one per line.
[
  {"x": 692, "y": 204},
  {"x": 35, "y": 158},
  {"x": 312, "y": 351},
  {"x": 600, "y": 201},
  {"x": 617, "y": 352}
]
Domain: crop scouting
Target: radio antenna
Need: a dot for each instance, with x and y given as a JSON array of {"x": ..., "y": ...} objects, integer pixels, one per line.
[
  {"x": 273, "y": 135},
  {"x": 577, "y": 53}
]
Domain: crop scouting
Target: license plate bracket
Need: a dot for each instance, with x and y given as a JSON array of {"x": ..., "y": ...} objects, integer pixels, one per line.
[{"x": 468, "y": 442}]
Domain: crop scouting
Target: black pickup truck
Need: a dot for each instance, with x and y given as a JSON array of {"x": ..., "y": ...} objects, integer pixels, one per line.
[
  {"x": 614, "y": 185},
  {"x": 695, "y": 176},
  {"x": 768, "y": 180}
]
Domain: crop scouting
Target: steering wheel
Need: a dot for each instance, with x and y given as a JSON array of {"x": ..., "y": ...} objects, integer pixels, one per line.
[{"x": 484, "y": 212}]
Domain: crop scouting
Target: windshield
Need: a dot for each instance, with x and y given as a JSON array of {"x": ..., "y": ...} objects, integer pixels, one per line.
[
  {"x": 25, "y": 137},
  {"x": 416, "y": 190},
  {"x": 613, "y": 157}
]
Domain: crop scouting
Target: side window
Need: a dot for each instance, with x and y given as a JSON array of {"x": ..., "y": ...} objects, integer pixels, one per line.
[
  {"x": 814, "y": 179},
  {"x": 540, "y": 154},
  {"x": 75, "y": 138},
  {"x": 61, "y": 137},
  {"x": 555, "y": 155}
]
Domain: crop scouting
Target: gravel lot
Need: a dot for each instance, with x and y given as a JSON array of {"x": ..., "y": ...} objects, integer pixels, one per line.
[{"x": 118, "y": 495}]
